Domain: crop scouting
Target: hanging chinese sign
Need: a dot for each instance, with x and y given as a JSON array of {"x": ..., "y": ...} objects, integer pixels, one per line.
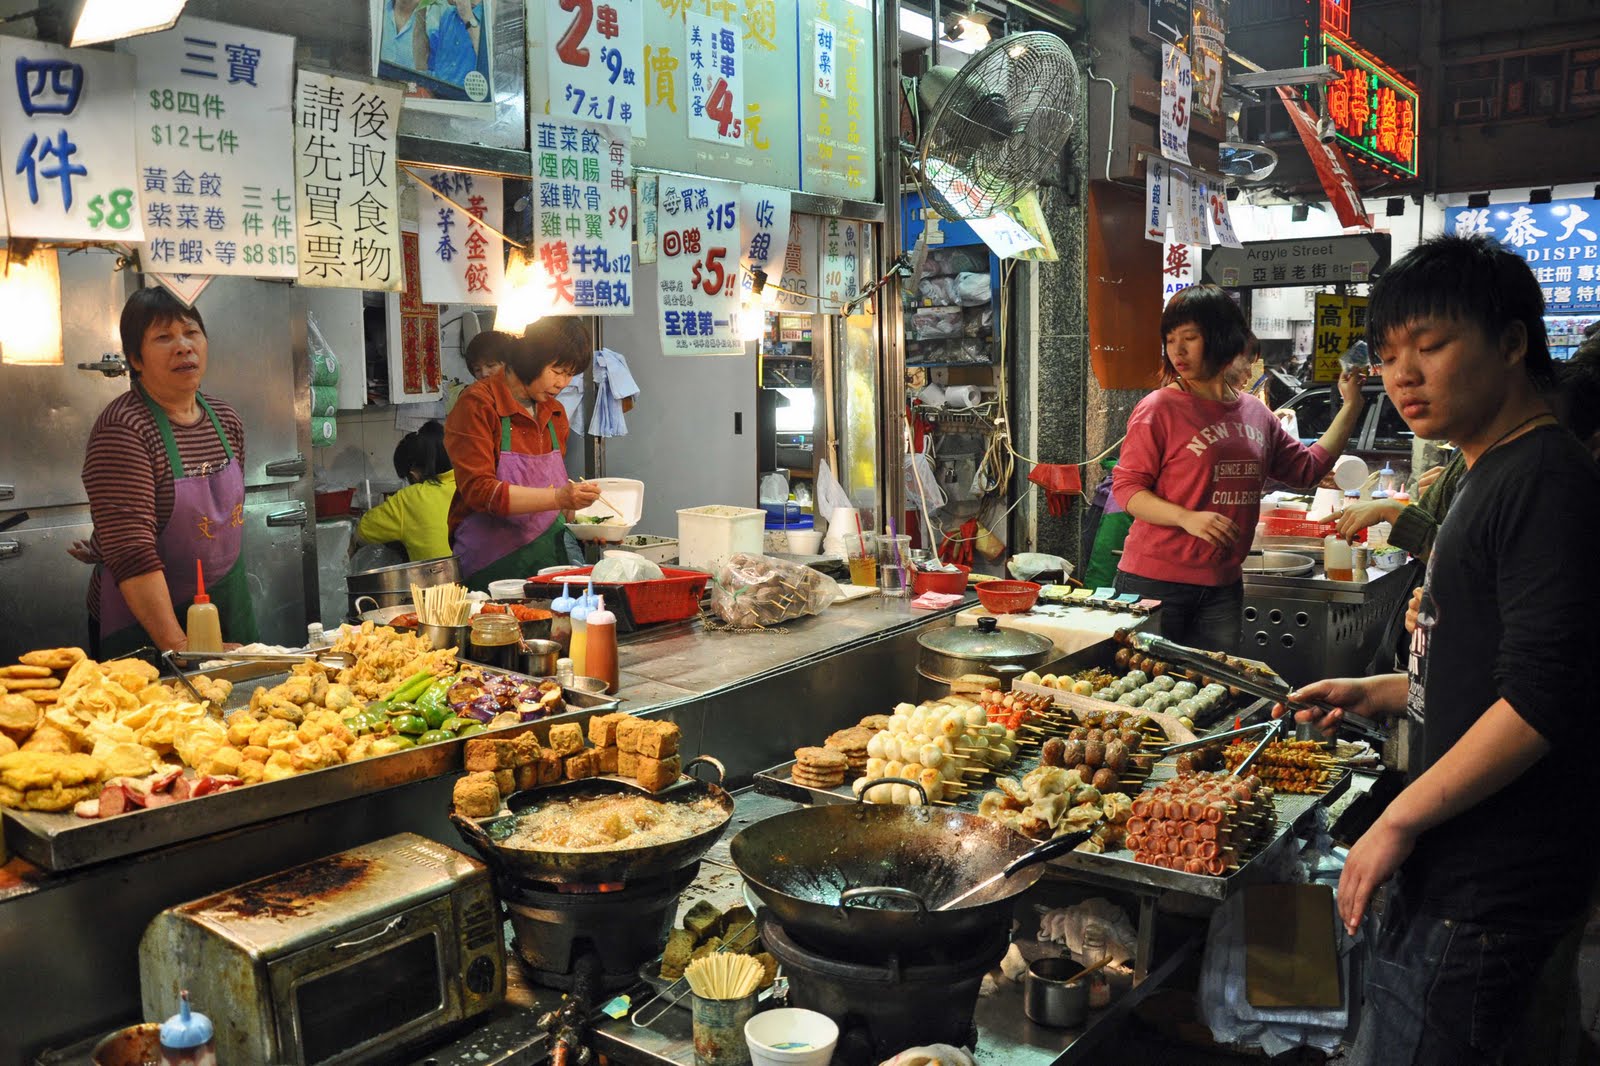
[
  {"x": 345, "y": 191},
  {"x": 1374, "y": 111},
  {"x": 583, "y": 216},
  {"x": 1157, "y": 179},
  {"x": 1177, "y": 85},
  {"x": 1340, "y": 322},
  {"x": 716, "y": 80},
  {"x": 214, "y": 134},
  {"x": 1208, "y": 49},
  {"x": 644, "y": 213},
  {"x": 1560, "y": 240},
  {"x": 461, "y": 259},
  {"x": 698, "y": 270},
  {"x": 763, "y": 233},
  {"x": 824, "y": 63},
  {"x": 591, "y": 58},
  {"x": 1180, "y": 268},
  {"x": 1333, "y": 169},
  {"x": 414, "y": 371},
  {"x": 794, "y": 292},
  {"x": 839, "y": 116},
  {"x": 66, "y": 143},
  {"x": 840, "y": 268}
]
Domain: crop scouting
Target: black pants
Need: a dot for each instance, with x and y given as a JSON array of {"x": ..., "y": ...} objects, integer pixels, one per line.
[{"x": 1201, "y": 616}]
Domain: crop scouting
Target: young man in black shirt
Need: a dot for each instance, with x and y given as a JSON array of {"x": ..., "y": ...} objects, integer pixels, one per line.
[{"x": 1493, "y": 848}]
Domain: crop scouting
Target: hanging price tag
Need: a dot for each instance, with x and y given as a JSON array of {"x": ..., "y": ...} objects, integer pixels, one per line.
[{"x": 698, "y": 269}]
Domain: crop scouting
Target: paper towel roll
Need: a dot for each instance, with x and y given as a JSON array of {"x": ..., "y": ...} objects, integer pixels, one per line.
[
  {"x": 324, "y": 432},
  {"x": 324, "y": 368},
  {"x": 324, "y": 401},
  {"x": 959, "y": 396}
]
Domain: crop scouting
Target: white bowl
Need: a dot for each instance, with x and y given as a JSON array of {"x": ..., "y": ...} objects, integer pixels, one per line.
[
  {"x": 790, "y": 1036},
  {"x": 508, "y": 589},
  {"x": 609, "y": 532},
  {"x": 804, "y": 541}
]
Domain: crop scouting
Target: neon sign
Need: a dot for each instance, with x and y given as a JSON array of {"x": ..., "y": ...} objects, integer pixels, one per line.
[
  {"x": 1375, "y": 111},
  {"x": 1336, "y": 16}
]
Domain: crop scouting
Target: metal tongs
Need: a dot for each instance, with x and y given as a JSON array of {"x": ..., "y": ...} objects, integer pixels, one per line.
[
  {"x": 339, "y": 660},
  {"x": 638, "y": 1019},
  {"x": 1270, "y": 730}
]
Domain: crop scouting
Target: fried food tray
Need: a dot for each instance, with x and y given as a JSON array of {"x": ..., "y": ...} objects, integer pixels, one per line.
[{"x": 63, "y": 841}]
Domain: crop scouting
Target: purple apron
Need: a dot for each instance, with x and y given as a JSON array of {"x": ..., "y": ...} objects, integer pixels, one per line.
[
  {"x": 207, "y": 523},
  {"x": 492, "y": 548}
]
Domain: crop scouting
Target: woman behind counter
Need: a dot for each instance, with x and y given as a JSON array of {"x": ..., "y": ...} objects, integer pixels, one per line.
[
  {"x": 507, "y": 434},
  {"x": 164, "y": 472},
  {"x": 416, "y": 516}
]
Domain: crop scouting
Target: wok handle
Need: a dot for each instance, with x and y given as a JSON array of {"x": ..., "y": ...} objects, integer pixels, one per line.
[
  {"x": 875, "y": 782},
  {"x": 722, "y": 771},
  {"x": 849, "y": 896},
  {"x": 1049, "y": 849},
  {"x": 475, "y": 836},
  {"x": 360, "y": 609}
]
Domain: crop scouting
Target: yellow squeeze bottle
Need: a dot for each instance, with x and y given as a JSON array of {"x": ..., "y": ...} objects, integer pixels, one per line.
[
  {"x": 205, "y": 624},
  {"x": 579, "y": 651}
]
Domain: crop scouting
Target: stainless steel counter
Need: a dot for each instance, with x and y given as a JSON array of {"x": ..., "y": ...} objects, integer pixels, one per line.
[{"x": 1308, "y": 628}]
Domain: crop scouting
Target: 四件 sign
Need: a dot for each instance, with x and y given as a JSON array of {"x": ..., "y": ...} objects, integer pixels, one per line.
[
  {"x": 1303, "y": 261},
  {"x": 698, "y": 266},
  {"x": 345, "y": 193},
  {"x": 1560, "y": 240},
  {"x": 67, "y": 147},
  {"x": 215, "y": 131},
  {"x": 583, "y": 216}
]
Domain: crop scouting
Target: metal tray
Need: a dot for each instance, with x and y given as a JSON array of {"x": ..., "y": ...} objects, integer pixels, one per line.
[{"x": 63, "y": 841}]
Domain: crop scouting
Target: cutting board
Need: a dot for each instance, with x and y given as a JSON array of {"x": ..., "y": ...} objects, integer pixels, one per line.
[
  {"x": 1291, "y": 956},
  {"x": 1074, "y": 629}
]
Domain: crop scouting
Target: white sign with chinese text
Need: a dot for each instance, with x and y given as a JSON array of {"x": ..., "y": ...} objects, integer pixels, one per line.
[
  {"x": 698, "y": 272},
  {"x": 583, "y": 216},
  {"x": 461, "y": 260},
  {"x": 645, "y": 216},
  {"x": 1157, "y": 186},
  {"x": 1222, "y": 218},
  {"x": 1180, "y": 268},
  {"x": 214, "y": 126},
  {"x": 1005, "y": 236},
  {"x": 840, "y": 266},
  {"x": 764, "y": 232},
  {"x": 591, "y": 55},
  {"x": 1177, "y": 90},
  {"x": 799, "y": 281},
  {"x": 839, "y": 134},
  {"x": 1187, "y": 227},
  {"x": 345, "y": 183},
  {"x": 715, "y": 61},
  {"x": 824, "y": 71},
  {"x": 66, "y": 143}
]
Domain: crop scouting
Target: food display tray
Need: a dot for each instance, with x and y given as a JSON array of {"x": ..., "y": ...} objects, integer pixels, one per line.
[{"x": 63, "y": 841}]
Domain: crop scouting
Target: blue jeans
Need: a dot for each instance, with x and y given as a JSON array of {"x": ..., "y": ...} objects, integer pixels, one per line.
[
  {"x": 1201, "y": 616},
  {"x": 1447, "y": 992}
]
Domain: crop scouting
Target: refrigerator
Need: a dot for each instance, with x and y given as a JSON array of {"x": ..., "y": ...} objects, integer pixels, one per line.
[{"x": 257, "y": 363}]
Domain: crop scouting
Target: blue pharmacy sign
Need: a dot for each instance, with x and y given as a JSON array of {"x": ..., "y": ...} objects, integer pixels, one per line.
[{"x": 1560, "y": 240}]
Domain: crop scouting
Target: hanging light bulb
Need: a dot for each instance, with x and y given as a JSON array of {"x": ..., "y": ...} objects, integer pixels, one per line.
[
  {"x": 524, "y": 294},
  {"x": 751, "y": 322},
  {"x": 30, "y": 310}
]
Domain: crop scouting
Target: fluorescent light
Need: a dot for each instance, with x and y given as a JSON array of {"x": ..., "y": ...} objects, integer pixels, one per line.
[
  {"x": 30, "y": 310},
  {"x": 916, "y": 24},
  {"x": 974, "y": 31},
  {"x": 111, "y": 20}
]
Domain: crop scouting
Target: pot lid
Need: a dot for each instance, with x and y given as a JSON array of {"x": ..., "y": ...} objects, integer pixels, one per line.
[{"x": 985, "y": 642}]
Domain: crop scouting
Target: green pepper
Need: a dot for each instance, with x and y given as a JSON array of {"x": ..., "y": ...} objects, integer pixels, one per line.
[
  {"x": 413, "y": 686},
  {"x": 453, "y": 724},
  {"x": 410, "y": 724},
  {"x": 404, "y": 741},
  {"x": 433, "y": 736},
  {"x": 436, "y": 715},
  {"x": 469, "y": 728},
  {"x": 434, "y": 698},
  {"x": 401, "y": 707},
  {"x": 377, "y": 707},
  {"x": 358, "y": 724}
]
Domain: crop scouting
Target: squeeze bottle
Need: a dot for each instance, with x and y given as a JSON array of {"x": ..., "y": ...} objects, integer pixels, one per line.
[
  {"x": 561, "y": 617},
  {"x": 580, "y": 634},
  {"x": 204, "y": 623},
  {"x": 602, "y": 645}
]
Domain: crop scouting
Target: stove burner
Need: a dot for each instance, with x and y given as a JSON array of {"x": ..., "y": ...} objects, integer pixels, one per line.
[
  {"x": 884, "y": 1004},
  {"x": 557, "y": 926}
]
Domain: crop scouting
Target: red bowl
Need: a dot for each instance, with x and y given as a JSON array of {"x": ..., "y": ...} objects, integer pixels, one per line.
[
  {"x": 1008, "y": 597},
  {"x": 946, "y": 583}
]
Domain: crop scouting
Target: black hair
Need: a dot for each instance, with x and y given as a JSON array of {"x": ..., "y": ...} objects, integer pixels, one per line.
[
  {"x": 153, "y": 306},
  {"x": 558, "y": 340},
  {"x": 1465, "y": 279},
  {"x": 422, "y": 451},
  {"x": 1576, "y": 398},
  {"x": 1219, "y": 320},
  {"x": 490, "y": 346}
]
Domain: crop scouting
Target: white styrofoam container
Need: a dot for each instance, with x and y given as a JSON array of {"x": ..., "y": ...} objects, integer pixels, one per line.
[
  {"x": 708, "y": 535},
  {"x": 656, "y": 549}
]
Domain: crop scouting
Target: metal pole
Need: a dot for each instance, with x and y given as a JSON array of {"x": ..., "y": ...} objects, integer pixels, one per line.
[{"x": 891, "y": 322}]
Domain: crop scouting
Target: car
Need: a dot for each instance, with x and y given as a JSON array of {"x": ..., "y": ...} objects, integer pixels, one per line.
[{"x": 1381, "y": 436}]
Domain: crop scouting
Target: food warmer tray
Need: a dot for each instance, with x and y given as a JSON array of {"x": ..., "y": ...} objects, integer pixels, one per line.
[{"x": 63, "y": 841}]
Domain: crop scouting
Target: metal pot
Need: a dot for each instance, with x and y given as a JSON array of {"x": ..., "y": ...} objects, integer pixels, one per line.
[
  {"x": 539, "y": 657},
  {"x": 982, "y": 649},
  {"x": 826, "y": 872},
  {"x": 1051, "y": 997},
  {"x": 379, "y": 616},
  {"x": 595, "y": 867},
  {"x": 1279, "y": 564},
  {"x": 137, "y": 1045},
  {"x": 389, "y": 586}
]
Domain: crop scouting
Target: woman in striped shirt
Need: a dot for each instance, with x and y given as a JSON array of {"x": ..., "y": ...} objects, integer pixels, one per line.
[{"x": 164, "y": 471}]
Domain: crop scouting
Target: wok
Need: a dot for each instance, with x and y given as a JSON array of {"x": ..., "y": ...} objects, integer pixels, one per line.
[
  {"x": 595, "y": 867},
  {"x": 828, "y": 872}
]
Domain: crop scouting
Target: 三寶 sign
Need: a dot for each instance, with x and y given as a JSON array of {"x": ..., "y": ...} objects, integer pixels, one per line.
[
  {"x": 66, "y": 143},
  {"x": 1177, "y": 90},
  {"x": 716, "y": 79},
  {"x": 1374, "y": 110},
  {"x": 1560, "y": 240},
  {"x": 698, "y": 266},
  {"x": 1355, "y": 257},
  {"x": 582, "y": 216},
  {"x": 460, "y": 260},
  {"x": 345, "y": 192},
  {"x": 1340, "y": 322},
  {"x": 214, "y": 133},
  {"x": 592, "y": 58}
]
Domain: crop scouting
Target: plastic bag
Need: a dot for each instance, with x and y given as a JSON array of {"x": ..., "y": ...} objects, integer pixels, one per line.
[
  {"x": 935, "y": 323},
  {"x": 757, "y": 590},
  {"x": 937, "y": 291},
  {"x": 1024, "y": 566},
  {"x": 774, "y": 489},
  {"x": 973, "y": 290},
  {"x": 626, "y": 566},
  {"x": 324, "y": 362},
  {"x": 830, "y": 494}
]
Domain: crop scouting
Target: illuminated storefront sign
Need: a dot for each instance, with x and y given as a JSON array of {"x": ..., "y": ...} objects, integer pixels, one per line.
[{"x": 1374, "y": 110}]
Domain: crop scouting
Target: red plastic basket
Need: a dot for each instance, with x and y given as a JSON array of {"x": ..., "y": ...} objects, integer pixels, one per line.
[
  {"x": 1294, "y": 524},
  {"x": 674, "y": 597}
]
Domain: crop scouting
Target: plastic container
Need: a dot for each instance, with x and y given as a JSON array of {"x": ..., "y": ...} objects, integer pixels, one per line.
[
  {"x": 789, "y": 1036},
  {"x": 602, "y": 649},
  {"x": 675, "y": 597},
  {"x": 861, "y": 556},
  {"x": 1294, "y": 524},
  {"x": 1008, "y": 597},
  {"x": 335, "y": 503},
  {"x": 708, "y": 536},
  {"x": 950, "y": 584},
  {"x": 894, "y": 562},
  {"x": 627, "y": 496},
  {"x": 508, "y": 589},
  {"x": 204, "y": 628},
  {"x": 804, "y": 542},
  {"x": 656, "y": 549}
]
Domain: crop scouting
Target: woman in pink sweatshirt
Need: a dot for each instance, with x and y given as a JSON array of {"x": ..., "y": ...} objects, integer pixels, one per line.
[{"x": 1193, "y": 466}]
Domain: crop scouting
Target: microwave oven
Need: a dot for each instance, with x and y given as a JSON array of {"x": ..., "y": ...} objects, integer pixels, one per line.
[{"x": 339, "y": 961}]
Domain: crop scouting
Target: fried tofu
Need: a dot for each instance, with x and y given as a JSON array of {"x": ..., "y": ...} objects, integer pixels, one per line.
[
  {"x": 606, "y": 760},
  {"x": 627, "y": 763},
  {"x": 476, "y": 796},
  {"x": 566, "y": 738},
  {"x": 657, "y": 774},
  {"x": 527, "y": 749},
  {"x": 489, "y": 754},
  {"x": 628, "y": 730},
  {"x": 603, "y": 728},
  {"x": 579, "y": 766},
  {"x": 550, "y": 767},
  {"x": 505, "y": 781},
  {"x": 659, "y": 740},
  {"x": 702, "y": 918}
]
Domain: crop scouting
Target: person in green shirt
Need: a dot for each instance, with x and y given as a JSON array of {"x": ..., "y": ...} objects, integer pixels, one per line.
[{"x": 416, "y": 515}]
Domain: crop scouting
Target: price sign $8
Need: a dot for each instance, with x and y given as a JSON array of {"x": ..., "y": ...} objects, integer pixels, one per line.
[{"x": 118, "y": 215}]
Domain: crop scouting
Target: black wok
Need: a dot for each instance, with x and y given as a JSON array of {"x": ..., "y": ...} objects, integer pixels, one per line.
[
  {"x": 871, "y": 876},
  {"x": 595, "y": 867}
]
